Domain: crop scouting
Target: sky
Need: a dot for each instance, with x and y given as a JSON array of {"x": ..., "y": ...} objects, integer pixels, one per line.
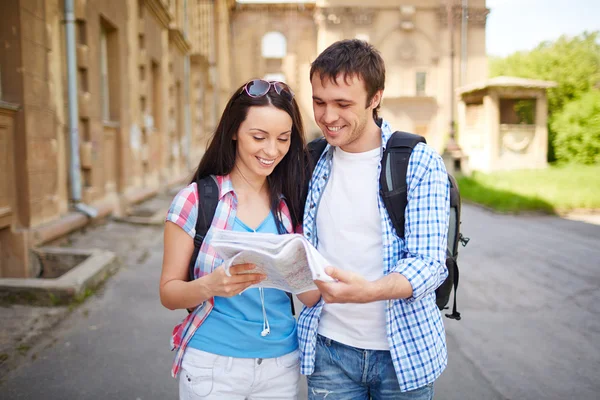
[{"x": 515, "y": 25}]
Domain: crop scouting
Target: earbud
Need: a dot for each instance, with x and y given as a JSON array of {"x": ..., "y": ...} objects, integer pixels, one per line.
[{"x": 265, "y": 332}]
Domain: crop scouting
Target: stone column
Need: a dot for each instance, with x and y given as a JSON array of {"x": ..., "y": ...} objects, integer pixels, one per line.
[
  {"x": 223, "y": 53},
  {"x": 541, "y": 129},
  {"x": 492, "y": 142},
  {"x": 14, "y": 242}
]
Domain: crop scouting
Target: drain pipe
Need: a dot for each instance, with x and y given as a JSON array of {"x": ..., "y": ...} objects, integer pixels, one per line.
[{"x": 74, "y": 167}]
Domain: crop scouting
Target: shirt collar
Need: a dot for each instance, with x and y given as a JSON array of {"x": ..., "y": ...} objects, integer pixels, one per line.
[
  {"x": 225, "y": 185},
  {"x": 386, "y": 133}
]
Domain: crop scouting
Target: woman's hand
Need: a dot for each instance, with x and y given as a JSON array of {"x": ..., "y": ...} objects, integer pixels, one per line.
[
  {"x": 217, "y": 283},
  {"x": 175, "y": 290}
]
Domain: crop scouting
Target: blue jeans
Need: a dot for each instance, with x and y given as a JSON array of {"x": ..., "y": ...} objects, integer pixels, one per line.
[{"x": 347, "y": 373}]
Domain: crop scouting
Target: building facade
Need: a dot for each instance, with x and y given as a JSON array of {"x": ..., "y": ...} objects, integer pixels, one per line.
[
  {"x": 150, "y": 75},
  {"x": 430, "y": 48}
]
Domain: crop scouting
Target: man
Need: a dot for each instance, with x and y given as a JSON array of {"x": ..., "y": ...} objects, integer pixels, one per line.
[{"x": 376, "y": 332}]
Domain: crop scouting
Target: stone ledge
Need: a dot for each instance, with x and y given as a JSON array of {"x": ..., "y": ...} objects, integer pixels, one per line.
[
  {"x": 157, "y": 219},
  {"x": 97, "y": 266}
]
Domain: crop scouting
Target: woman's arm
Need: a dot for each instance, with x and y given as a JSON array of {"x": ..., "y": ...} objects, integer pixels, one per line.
[
  {"x": 309, "y": 299},
  {"x": 176, "y": 292}
]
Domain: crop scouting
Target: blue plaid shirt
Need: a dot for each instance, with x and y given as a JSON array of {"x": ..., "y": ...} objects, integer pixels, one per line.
[{"x": 415, "y": 329}]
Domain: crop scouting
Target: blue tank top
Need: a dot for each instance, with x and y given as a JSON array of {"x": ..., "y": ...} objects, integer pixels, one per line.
[{"x": 233, "y": 328}]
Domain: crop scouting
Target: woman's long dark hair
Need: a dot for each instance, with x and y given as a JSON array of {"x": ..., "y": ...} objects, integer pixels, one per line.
[{"x": 289, "y": 178}]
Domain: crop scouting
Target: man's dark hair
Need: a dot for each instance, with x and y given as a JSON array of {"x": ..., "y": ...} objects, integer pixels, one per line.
[{"x": 352, "y": 57}]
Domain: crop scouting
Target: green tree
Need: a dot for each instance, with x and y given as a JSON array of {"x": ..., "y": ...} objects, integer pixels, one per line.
[
  {"x": 572, "y": 62},
  {"x": 577, "y": 130}
]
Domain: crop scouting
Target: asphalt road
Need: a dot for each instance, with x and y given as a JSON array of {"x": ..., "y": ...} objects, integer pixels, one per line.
[{"x": 530, "y": 329}]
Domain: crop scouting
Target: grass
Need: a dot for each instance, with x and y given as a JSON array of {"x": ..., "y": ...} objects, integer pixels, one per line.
[
  {"x": 80, "y": 298},
  {"x": 23, "y": 349},
  {"x": 556, "y": 189}
]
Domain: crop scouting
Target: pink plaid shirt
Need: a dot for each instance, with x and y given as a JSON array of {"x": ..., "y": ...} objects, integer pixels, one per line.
[{"x": 184, "y": 212}]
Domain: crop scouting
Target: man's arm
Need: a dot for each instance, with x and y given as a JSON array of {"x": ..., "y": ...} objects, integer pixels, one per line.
[
  {"x": 310, "y": 298},
  {"x": 426, "y": 224},
  {"x": 353, "y": 288},
  {"x": 426, "y": 227}
]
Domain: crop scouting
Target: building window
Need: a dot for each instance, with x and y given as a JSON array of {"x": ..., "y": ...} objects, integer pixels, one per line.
[
  {"x": 109, "y": 72},
  {"x": 155, "y": 90},
  {"x": 517, "y": 111},
  {"x": 274, "y": 45},
  {"x": 81, "y": 32},
  {"x": 104, "y": 82},
  {"x": 421, "y": 82},
  {"x": 83, "y": 80}
]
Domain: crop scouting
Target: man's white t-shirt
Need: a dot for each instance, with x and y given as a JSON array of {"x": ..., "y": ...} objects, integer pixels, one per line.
[{"x": 350, "y": 237}]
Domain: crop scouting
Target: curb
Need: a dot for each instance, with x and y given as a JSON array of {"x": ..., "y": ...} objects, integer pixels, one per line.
[
  {"x": 88, "y": 274},
  {"x": 157, "y": 219},
  {"x": 526, "y": 213}
]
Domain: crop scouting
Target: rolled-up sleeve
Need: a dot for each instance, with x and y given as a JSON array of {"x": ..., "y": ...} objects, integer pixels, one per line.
[
  {"x": 426, "y": 223},
  {"x": 183, "y": 211}
]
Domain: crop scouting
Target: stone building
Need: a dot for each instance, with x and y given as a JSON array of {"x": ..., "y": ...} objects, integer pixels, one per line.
[
  {"x": 504, "y": 123},
  {"x": 435, "y": 55},
  {"x": 413, "y": 37},
  {"x": 149, "y": 74}
]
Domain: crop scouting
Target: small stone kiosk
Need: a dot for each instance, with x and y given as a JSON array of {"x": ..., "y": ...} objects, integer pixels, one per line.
[{"x": 502, "y": 124}]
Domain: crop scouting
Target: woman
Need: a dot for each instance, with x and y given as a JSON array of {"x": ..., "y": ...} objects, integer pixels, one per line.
[{"x": 239, "y": 346}]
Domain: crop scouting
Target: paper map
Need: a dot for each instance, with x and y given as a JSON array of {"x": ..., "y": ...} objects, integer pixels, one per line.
[{"x": 289, "y": 261}]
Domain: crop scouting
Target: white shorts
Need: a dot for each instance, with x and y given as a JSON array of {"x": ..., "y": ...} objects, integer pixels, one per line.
[{"x": 210, "y": 376}]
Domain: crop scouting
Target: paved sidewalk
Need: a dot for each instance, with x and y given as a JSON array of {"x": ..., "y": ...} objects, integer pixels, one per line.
[
  {"x": 530, "y": 327},
  {"x": 528, "y": 294},
  {"x": 27, "y": 330}
]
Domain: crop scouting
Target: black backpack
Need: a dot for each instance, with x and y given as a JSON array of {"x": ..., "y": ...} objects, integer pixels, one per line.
[
  {"x": 393, "y": 190},
  {"x": 208, "y": 199}
]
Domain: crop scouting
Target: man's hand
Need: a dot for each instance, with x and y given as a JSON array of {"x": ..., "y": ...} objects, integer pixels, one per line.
[
  {"x": 353, "y": 288},
  {"x": 349, "y": 288}
]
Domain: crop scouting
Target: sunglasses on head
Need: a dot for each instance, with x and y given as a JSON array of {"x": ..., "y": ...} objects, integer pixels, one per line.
[{"x": 260, "y": 87}]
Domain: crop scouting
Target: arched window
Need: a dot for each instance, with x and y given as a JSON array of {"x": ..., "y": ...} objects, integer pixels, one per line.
[{"x": 274, "y": 45}]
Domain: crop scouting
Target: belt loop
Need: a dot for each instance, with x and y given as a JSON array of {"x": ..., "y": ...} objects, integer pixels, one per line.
[{"x": 229, "y": 363}]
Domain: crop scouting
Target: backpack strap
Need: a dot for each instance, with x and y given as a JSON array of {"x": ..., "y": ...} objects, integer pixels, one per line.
[
  {"x": 208, "y": 199},
  {"x": 455, "y": 314},
  {"x": 315, "y": 149},
  {"x": 394, "y": 167}
]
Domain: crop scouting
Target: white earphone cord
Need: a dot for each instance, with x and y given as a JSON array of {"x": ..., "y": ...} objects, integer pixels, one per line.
[{"x": 266, "y": 329}]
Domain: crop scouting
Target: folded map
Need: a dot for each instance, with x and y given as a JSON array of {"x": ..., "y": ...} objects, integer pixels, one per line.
[{"x": 289, "y": 261}]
